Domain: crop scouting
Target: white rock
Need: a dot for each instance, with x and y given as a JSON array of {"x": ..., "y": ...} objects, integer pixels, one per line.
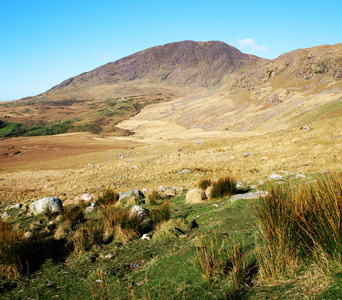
[
  {"x": 109, "y": 256},
  {"x": 146, "y": 237},
  {"x": 184, "y": 171},
  {"x": 4, "y": 215},
  {"x": 298, "y": 175},
  {"x": 86, "y": 197},
  {"x": 52, "y": 204},
  {"x": 15, "y": 206},
  {"x": 275, "y": 176}
]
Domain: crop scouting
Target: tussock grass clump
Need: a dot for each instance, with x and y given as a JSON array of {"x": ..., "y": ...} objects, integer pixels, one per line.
[
  {"x": 73, "y": 215},
  {"x": 108, "y": 197},
  {"x": 12, "y": 249},
  {"x": 221, "y": 259},
  {"x": 87, "y": 236},
  {"x": 204, "y": 183},
  {"x": 153, "y": 197},
  {"x": 297, "y": 225},
  {"x": 116, "y": 215},
  {"x": 170, "y": 229},
  {"x": 161, "y": 213},
  {"x": 224, "y": 186}
]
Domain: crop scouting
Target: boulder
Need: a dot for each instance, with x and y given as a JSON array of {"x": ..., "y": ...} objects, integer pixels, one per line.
[
  {"x": 139, "y": 211},
  {"x": 195, "y": 195},
  {"x": 130, "y": 193},
  {"x": 53, "y": 204}
]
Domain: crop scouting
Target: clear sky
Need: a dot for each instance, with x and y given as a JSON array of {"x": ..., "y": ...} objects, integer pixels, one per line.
[{"x": 43, "y": 42}]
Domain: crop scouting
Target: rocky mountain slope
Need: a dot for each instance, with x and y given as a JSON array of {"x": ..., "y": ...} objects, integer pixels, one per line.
[{"x": 181, "y": 63}]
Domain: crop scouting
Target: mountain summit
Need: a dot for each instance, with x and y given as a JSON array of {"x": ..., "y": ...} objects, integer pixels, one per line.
[{"x": 182, "y": 63}]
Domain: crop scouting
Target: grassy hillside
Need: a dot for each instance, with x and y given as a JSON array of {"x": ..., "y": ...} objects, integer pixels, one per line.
[{"x": 211, "y": 250}]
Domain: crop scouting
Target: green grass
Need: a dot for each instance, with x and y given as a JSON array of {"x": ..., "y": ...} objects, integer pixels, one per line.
[{"x": 214, "y": 253}]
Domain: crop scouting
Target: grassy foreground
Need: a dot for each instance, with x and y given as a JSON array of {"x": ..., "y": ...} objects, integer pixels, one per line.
[{"x": 284, "y": 246}]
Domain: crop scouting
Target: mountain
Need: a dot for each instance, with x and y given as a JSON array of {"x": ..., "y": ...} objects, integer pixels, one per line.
[
  {"x": 182, "y": 63},
  {"x": 207, "y": 85}
]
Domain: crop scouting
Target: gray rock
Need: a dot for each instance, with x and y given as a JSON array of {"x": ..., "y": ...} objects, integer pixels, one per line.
[
  {"x": 275, "y": 176},
  {"x": 247, "y": 154},
  {"x": 135, "y": 192},
  {"x": 240, "y": 185},
  {"x": 139, "y": 211},
  {"x": 15, "y": 206},
  {"x": 298, "y": 175},
  {"x": 50, "y": 203},
  {"x": 254, "y": 195}
]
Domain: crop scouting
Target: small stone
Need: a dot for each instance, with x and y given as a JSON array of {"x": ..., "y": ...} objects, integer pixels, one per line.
[
  {"x": 5, "y": 214},
  {"x": 247, "y": 154},
  {"x": 298, "y": 175},
  {"x": 305, "y": 128},
  {"x": 109, "y": 256},
  {"x": 28, "y": 234},
  {"x": 15, "y": 206},
  {"x": 184, "y": 171},
  {"x": 146, "y": 237},
  {"x": 47, "y": 186}
]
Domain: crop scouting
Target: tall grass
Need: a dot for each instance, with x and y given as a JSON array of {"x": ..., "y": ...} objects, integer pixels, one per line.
[
  {"x": 300, "y": 225},
  {"x": 223, "y": 187},
  {"x": 204, "y": 183},
  {"x": 12, "y": 249},
  {"x": 219, "y": 259},
  {"x": 108, "y": 197}
]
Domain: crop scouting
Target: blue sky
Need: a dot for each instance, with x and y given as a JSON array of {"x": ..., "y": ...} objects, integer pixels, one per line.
[{"x": 45, "y": 42}]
